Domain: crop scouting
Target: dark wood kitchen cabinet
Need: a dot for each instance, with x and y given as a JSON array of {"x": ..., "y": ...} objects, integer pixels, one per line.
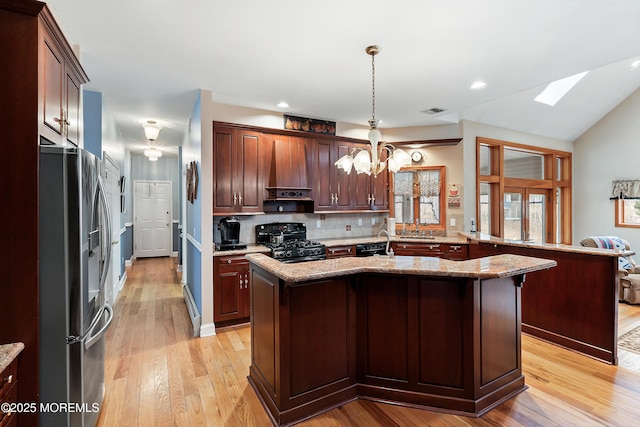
[
  {"x": 9, "y": 393},
  {"x": 37, "y": 64},
  {"x": 441, "y": 250},
  {"x": 240, "y": 168},
  {"x": 231, "y": 289},
  {"x": 60, "y": 103},
  {"x": 335, "y": 190}
]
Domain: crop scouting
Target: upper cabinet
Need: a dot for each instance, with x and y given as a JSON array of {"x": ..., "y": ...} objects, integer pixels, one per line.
[
  {"x": 239, "y": 170},
  {"x": 257, "y": 170},
  {"x": 60, "y": 81},
  {"x": 335, "y": 190}
]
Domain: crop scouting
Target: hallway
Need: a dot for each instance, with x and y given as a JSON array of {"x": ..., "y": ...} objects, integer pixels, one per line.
[{"x": 156, "y": 374}]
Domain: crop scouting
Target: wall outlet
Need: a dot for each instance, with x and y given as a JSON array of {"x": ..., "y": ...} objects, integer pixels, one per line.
[
  {"x": 318, "y": 224},
  {"x": 373, "y": 221},
  {"x": 359, "y": 221},
  {"x": 452, "y": 221}
]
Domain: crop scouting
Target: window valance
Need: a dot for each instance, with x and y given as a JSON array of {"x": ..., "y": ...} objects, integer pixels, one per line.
[{"x": 625, "y": 189}]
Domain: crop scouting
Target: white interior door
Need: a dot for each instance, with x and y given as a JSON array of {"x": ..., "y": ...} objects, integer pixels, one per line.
[
  {"x": 111, "y": 178},
  {"x": 152, "y": 222}
]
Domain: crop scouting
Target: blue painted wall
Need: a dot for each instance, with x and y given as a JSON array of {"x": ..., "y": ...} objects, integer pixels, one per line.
[
  {"x": 126, "y": 245},
  {"x": 92, "y": 122}
]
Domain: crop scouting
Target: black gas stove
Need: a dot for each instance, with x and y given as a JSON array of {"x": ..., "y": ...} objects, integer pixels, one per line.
[{"x": 288, "y": 242}]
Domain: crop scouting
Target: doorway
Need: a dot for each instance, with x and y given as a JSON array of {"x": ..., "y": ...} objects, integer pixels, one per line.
[{"x": 152, "y": 219}]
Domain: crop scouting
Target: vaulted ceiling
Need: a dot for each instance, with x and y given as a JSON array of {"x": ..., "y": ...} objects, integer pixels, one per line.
[{"x": 148, "y": 58}]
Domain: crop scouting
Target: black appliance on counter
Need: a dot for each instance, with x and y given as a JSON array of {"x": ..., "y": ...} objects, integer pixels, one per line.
[
  {"x": 370, "y": 249},
  {"x": 288, "y": 242},
  {"x": 229, "y": 234}
]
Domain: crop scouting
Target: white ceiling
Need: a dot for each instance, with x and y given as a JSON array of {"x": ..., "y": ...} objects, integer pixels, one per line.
[{"x": 148, "y": 58}]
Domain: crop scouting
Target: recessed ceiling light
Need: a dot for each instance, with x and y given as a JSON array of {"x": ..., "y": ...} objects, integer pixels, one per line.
[
  {"x": 283, "y": 105},
  {"x": 477, "y": 85},
  {"x": 556, "y": 90},
  {"x": 635, "y": 64}
]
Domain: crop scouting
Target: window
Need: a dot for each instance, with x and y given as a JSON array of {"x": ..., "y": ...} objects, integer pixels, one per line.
[
  {"x": 523, "y": 192},
  {"x": 627, "y": 212}
]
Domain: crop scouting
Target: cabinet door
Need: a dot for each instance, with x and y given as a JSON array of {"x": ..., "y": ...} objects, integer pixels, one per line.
[
  {"x": 227, "y": 302},
  {"x": 72, "y": 116},
  {"x": 380, "y": 191},
  {"x": 323, "y": 196},
  {"x": 224, "y": 170},
  {"x": 249, "y": 192},
  {"x": 53, "y": 85},
  {"x": 343, "y": 186}
]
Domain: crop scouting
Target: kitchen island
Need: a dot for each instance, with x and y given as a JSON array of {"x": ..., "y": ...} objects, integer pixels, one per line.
[{"x": 417, "y": 331}]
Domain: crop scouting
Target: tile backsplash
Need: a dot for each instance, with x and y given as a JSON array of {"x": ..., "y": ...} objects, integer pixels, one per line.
[{"x": 319, "y": 226}]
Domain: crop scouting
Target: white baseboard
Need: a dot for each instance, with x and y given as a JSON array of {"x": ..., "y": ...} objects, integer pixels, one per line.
[
  {"x": 129, "y": 262},
  {"x": 194, "y": 314},
  {"x": 121, "y": 283},
  {"x": 174, "y": 254},
  {"x": 207, "y": 330}
]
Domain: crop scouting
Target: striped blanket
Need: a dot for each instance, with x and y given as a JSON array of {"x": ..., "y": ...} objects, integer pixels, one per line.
[{"x": 613, "y": 242}]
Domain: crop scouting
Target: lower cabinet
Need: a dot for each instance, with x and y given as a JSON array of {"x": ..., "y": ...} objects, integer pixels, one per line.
[
  {"x": 440, "y": 250},
  {"x": 231, "y": 289},
  {"x": 9, "y": 394}
]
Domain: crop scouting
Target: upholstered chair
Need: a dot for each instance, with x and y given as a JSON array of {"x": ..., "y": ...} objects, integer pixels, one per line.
[{"x": 629, "y": 283}]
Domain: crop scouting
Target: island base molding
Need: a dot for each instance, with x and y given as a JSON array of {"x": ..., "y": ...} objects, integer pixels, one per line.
[{"x": 384, "y": 395}]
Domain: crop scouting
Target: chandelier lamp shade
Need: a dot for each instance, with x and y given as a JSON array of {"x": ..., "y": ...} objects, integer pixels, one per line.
[
  {"x": 370, "y": 160},
  {"x": 151, "y": 129}
]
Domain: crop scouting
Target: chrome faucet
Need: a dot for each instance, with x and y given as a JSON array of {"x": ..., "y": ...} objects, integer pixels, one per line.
[{"x": 387, "y": 250}]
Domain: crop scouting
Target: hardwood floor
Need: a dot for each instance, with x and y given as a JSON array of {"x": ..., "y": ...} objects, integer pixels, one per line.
[{"x": 157, "y": 374}]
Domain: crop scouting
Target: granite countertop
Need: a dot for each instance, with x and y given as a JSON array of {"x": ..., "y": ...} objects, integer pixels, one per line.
[
  {"x": 459, "y": 240},
  {"x": 480, "y": 237},
  {"x": 505, "y": 265},
  {"x": 8, "y": 353},
  {"x": 252, "y": 248}
]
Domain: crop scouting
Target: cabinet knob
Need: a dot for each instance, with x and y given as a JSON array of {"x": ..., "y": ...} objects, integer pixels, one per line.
[
  {"x": 9, "y": 379},
  {"x": 228, "y": 261}
]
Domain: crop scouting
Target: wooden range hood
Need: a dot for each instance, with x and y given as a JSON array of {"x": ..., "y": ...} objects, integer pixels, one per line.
[{"x": 288, "y": 188}]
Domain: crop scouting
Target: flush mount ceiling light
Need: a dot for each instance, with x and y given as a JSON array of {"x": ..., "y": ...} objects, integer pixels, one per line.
[
  {"x": 635, "y": 64},
  {"x": 477, "y": 85},
  {"x": 283, "y": 105},
  {"x": 369, "y": 160},
  {"x": 151, "y": 129},
  {"x": 556, "y": 90}
]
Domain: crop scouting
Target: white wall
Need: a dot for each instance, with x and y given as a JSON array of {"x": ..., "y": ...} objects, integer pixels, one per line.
[{"x": 608, "y": 151}]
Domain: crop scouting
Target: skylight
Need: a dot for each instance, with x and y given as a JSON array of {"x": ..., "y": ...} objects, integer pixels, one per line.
[{"x": 556, "y": 90}]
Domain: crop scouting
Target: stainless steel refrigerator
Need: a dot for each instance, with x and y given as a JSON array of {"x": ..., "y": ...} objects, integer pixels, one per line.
[{"x": 75, "y": 248}]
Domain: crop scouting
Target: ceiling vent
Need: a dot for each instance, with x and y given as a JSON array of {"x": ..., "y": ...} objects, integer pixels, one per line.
[{"x": 434, "y": 110}]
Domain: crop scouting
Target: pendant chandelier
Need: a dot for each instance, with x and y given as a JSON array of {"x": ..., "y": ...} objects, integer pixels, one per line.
[
  {"x": 369, "y": 160},
  {"x": 151, "y": 131}
]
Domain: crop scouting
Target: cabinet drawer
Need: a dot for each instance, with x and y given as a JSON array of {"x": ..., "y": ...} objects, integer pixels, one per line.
[
  {"x": 419, "y": 249},
  {"x": 9, "y": 394},
  {"x": 231, "y": 260},
  {"x": 457, "y": 252},
  {"x": 341, "y": 251},
  {"x": 8, "y": 378}
]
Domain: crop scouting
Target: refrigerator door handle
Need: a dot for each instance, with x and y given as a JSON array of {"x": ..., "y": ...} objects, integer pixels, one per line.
[
  {"x": 107, "y": 220},
  {"x": 91, "y": 338}
]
